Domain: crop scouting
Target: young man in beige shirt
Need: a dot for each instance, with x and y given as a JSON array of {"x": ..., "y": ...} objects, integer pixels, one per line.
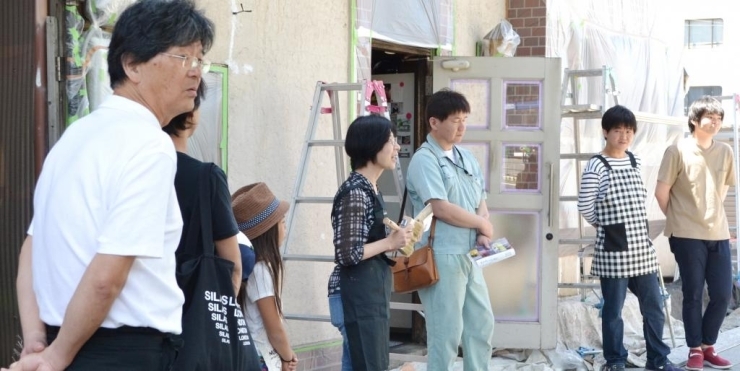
[{"x": 692, "y": 184}]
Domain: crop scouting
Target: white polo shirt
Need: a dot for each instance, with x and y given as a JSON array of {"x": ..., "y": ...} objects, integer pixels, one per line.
[{"x": 107, "y": 187}]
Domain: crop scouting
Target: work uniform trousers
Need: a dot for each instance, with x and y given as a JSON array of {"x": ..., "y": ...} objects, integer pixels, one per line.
[{"x": 457, "y": 308}]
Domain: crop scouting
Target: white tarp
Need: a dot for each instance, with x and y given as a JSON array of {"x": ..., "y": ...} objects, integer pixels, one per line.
[
  {"x": 419, "y": 23},
  {"x": 630, "y": 37}
]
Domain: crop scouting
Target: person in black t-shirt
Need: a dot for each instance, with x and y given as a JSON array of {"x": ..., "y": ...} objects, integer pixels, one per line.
[
  {"x": 224, "y": 225},
  {"x": 225, "y": 229}
]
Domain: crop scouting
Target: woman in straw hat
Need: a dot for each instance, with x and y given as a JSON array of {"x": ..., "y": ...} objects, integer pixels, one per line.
[
  {"x": 360, "y": 286},
  {"x": 261, "y": 216}
]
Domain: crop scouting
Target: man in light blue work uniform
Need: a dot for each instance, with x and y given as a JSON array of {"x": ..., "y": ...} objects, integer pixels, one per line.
[{"x": 457, "y": 308}]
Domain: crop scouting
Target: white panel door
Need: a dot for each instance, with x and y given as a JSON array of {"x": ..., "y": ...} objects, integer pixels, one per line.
[{"x": 513, "y": 129}]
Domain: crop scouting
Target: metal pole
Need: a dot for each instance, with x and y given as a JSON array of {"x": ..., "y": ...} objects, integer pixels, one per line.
[
  {"x": 736, "y": 145},
  {"x": 668, "y": 318}
]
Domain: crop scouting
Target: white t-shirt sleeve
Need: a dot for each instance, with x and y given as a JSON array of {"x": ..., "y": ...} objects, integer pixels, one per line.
[
  {"x": 137, "y": 205},
  {"x": 259, "y": 284}
]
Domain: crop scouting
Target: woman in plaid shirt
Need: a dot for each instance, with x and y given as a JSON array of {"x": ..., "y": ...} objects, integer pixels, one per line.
[{"x": 360, "y": 285}]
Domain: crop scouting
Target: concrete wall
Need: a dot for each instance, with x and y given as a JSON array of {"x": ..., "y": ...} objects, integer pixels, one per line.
[
  {"x": 473, "y": 20},
  {"x": 276, "y": 54}
]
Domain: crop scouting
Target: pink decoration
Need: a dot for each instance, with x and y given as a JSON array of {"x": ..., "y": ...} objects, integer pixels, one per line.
[{"x": 408, "y": 115}]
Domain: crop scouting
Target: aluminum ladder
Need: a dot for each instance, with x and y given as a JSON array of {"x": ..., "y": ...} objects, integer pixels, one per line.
[{"x": 364, "y": 92}]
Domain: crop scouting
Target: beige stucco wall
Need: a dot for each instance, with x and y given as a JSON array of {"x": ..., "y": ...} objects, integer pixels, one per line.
[
  {"x": 473, "y": 20},
  {"x": 276, "y": 55}
]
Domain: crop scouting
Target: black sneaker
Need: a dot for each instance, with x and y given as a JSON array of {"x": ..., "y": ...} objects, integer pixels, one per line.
[
  {"x": 615, "y": 367},
  {"x": 666, "y": 367}
]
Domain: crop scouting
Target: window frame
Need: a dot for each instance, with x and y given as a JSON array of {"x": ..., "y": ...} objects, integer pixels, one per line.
[{"x": 715, "y": 39}]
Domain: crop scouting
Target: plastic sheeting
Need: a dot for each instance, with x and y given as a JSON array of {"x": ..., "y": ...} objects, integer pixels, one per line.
[
  {"x": 501, "y": 41},
  {"x": 417, "y": 23},
  {"x": 75, "y": 86},
  {"x": 421, "y": 23},
  {"x": 626, "y": 35},
  {"x": 203, "y": 145},
  {"x": 88, "y": 83},
  {"x": 96, "y": 66},
  {"x": 104, "y": 13},
  {"x": 579, "y": 325},
  {"x": 87, "y": 80}
]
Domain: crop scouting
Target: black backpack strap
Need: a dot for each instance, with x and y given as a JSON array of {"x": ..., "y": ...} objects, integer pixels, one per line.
[
  {"x": 633, "y": 161},
  {"x": 199, "y": 238},
  {"x": 603, "y": 161}
]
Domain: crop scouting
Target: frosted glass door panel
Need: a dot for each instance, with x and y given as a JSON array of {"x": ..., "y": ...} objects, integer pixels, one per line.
[
  {"x": 478, "y": 93},
  {"x": 512, "y": 283},
  {"x": 482, "y": 153}
]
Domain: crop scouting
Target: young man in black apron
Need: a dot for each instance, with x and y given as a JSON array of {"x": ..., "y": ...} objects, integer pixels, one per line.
[{"x": 612, "y": 199}]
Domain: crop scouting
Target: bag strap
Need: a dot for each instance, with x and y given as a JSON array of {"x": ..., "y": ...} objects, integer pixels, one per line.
[
  {"x": 430, "y": 241},
  {"x": 204, "y": 209},
  {"x": 403, "y": 204}
]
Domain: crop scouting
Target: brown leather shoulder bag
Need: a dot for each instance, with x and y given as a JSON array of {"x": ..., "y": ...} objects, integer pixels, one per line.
[{"x": 417, "y": 271}]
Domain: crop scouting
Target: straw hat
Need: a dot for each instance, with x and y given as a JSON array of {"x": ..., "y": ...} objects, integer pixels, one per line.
[{"x": 256, "y": 209}]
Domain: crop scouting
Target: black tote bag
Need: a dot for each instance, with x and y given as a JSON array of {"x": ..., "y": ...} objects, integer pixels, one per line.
[{"x": 214, "y": 328}]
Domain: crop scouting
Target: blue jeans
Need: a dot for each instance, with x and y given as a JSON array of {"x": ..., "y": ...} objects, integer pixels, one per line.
[
  {"x": 700, "y": 261},
  {"x": 647, "y": 290},
  {"x": 336, "y": 313}
]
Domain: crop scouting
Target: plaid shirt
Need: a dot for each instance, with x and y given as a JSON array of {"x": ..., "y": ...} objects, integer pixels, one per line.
[{"x": 352, "y": 216}]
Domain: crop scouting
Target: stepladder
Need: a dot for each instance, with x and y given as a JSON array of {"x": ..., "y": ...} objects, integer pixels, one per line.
[
  {"x": 585, "y": 95},
  {"x": 362, "y": 94},
  {"x": 323, "y": 158}
]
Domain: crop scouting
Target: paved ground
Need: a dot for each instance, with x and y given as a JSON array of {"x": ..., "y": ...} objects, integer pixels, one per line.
[{"x": 728, "y": 346}]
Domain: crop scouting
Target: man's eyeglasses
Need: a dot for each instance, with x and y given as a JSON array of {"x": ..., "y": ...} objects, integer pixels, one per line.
[{"x": 195, "y": 62}]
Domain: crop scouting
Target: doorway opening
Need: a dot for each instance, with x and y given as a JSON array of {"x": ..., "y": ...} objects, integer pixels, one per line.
[{"x": 406, "y": 74}]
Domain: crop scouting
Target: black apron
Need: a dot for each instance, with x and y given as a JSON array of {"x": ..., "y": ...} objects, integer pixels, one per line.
[{"x": 365, "y": 289}]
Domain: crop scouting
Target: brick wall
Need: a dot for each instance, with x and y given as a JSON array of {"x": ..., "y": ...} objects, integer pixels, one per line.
[{"x": 529, "y": 21}]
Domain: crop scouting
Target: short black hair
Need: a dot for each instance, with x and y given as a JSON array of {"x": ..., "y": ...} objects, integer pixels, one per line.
[
  {"x": 366, "y": 136},
  {"x": 702, "y": 106},
  {"x": 618, "y": 117},
  {"x": 150, "y": 27},
  {"x": 180, "y": 122},
  {"x": 444, "y": 103}
]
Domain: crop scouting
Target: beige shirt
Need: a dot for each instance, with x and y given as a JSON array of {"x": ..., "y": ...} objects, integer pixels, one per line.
[{"x": 697, "y": 177}]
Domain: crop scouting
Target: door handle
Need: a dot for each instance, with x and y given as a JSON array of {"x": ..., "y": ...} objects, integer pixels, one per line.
[{"x": 549, "y": 194}]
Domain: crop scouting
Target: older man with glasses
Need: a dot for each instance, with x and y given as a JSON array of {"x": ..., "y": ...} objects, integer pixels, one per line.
[{"x": 96, "y": 279}]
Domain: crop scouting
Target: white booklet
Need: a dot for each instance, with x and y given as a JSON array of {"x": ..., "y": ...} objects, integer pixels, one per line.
[{"x": 486, "y": 255}]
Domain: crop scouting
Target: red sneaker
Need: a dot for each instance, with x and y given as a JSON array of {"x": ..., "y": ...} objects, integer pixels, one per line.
[
  {"x": 712, "y": 359},
  {"x": 696, "y": 360}
]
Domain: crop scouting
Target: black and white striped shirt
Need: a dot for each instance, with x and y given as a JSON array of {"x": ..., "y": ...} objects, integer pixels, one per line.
[{"x": 595, "y": 184}]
